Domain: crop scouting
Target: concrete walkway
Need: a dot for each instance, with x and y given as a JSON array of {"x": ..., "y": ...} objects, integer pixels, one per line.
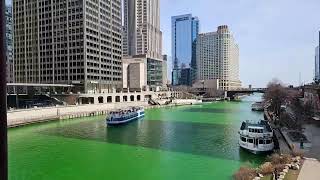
[
  {"x": 310, "y": 170},
  {"x": 29, "y": 116},
  {"x": 284, "y": 148}
]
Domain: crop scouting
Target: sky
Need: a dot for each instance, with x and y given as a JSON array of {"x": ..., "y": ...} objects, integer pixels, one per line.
[{"x": 277, "y": 38}]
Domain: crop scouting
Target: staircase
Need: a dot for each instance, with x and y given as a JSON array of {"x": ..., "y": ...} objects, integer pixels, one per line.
[{"x": 153, "y": 102}]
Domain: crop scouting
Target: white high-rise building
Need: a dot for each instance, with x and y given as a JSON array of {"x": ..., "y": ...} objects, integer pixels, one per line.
[
  {"x": 142, "y": 41},
  {"x": 142, "y": 33},
  {"x": 76, "y": 42},
  {"x": 218, "y": 58}
]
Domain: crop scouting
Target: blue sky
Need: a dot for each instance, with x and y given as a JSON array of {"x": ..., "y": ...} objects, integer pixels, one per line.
[{"x": 277, "y": 38}]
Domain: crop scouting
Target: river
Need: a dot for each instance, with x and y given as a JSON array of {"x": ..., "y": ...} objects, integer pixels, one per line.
[{"x": 187, "y": 142}]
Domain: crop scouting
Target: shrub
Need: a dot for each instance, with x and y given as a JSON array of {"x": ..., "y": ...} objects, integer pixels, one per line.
[
  {"x": 274, "y": 159},
  {"x": 279, "y": 167},
  {"x": 280, "y": 159},
  {"x": 245, "y": 173},
  {"x": 266, "y": 168},
  {"x": 296, "y": 153},
  {"x": 286, "y": 159}
]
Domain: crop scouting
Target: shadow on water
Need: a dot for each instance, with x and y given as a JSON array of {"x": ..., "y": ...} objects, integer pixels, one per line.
[
  {"x": 211, "y": 110},
  {"x": 211, "y": 140}
]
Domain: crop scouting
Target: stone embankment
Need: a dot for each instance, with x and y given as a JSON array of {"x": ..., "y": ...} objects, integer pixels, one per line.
[{"x": 29, "y": 116}]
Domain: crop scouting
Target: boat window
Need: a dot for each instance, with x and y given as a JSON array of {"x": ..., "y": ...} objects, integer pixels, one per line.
[
  {"x": 268, "y": 141},
  {"x": 261, "y": 141},
  {"x": 243, "y": 139},
  {"x": 250, "y": 140}
]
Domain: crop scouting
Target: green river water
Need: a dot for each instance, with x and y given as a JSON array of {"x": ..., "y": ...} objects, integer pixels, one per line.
[{"x": 196, "y": 142}]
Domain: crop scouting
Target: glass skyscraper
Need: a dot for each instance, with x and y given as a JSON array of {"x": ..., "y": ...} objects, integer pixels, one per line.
[
  {"x": 185, "y": 30},
  {"x": 317, "y": 65}
]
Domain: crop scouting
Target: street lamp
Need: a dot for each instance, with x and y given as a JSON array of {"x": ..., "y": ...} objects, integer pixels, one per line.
[{"x": 3, "y": 98}]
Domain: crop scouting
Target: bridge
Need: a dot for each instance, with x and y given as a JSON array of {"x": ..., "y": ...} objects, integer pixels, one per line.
[{"x": 232, "y": 93}]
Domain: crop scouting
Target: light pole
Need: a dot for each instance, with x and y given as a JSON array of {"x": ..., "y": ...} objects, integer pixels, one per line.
[{"x": 3, "y": 97}]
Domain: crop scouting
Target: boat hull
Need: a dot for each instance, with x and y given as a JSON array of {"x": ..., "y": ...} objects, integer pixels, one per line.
[
  {"x": 265, "y": 150},
  {"x": 257, "y": 151}
]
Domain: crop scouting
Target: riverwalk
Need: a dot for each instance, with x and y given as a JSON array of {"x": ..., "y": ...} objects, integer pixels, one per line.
[
  {"x": 310, "y": 170},
  {"x": 29, "y": 116}
]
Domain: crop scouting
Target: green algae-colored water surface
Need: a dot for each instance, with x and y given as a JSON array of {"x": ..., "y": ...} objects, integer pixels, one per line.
[{"x": 187, "y": 142}]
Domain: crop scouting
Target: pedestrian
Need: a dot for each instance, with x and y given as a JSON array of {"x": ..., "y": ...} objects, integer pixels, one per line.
[{"x": 301, "y": 143}]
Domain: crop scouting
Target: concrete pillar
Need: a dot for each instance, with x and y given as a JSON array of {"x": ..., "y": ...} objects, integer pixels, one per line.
[
  {"x": 113, "y": 97},
  {"x": 96, "y": 101}
]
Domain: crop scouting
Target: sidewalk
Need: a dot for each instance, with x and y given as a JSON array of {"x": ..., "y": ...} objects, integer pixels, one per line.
[
  {"x": 284, "y": 148},
  {"x": 310, "y": 170}
]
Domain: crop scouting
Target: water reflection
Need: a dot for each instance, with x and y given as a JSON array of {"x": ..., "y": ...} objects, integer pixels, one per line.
[{"x": 211, "y": 140}]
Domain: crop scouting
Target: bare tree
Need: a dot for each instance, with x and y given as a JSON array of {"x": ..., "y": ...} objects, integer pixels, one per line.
[{"x": 276, "y": 95}]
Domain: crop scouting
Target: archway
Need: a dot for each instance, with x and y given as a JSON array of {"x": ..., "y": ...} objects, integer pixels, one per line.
[
  {"x": 109, "y": 99},
  {"x": 125, "y": 98},
  {"x": 100, "y": 100}
]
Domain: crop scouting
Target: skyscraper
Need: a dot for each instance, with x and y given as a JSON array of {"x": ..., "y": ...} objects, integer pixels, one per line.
[
  {"x": 142, "y": 33},
  {"x": 317, "y": 62},
  {"x": 317, "y": 65},
  {"x": 69, "y": 42},
  {"x": 142, "y": 40},
  {"x": 218, "y": 58},
  {"x": 9, "y": 44},
  {"x": 185, "y": 30}
]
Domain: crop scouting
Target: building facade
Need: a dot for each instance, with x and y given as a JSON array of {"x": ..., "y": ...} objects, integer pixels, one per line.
[
  {"x": 142, "y": 33},
  {"x": 69, "y": 42},
  {"x": 142, "y": 38},
  {"x": 9, "y": 44},
  {"x": 141, "y": 72},
  {"x": 218, "y": 58},
  {"x": 317, "y": 62},
  {"x": 185, "y": 30}
]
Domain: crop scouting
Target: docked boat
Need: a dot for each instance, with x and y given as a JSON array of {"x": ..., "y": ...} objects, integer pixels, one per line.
[
  {"x": 257, "y": 106},
  {"x": 125, "y": 115},
  {"x": 256, "y": 137}
]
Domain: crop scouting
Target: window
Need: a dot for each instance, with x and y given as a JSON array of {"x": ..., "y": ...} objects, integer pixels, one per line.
[
  {"x": 261, "y": 141},
  {"x": 250, "y": 140},
  {"x": 243, "y": 139},
  {"x": 269, "y": 141}
]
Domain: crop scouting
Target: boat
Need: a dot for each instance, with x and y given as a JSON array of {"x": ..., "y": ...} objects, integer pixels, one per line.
[
  {"x": 125, "y": 115},
  {"x": 256, "y": 137},
  {"x": 257, "y": 106}
]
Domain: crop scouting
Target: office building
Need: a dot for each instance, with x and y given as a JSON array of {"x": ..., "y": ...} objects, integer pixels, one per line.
[
  {"x": 141, "y": 73},
  {"x": 142, "y": 39},
  {"x": 218, "y": 58},
  {"x": 9, "y": 44},
  {"x": 185, "y": 29},
  {"x": 317, "y": 65},
  {"x": 69, "y": 42},
  {"x": 317, "y": 62},
  {"x": 142, "y": 33}
]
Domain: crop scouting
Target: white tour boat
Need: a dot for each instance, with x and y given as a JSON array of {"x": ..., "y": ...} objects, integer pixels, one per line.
[
  {"x": 125, "y": 115},
  {"x": 256, "y": 137}
]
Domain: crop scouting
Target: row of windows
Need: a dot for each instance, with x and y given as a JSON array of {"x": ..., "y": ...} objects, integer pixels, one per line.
[{"x": 260, "y": 141}]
